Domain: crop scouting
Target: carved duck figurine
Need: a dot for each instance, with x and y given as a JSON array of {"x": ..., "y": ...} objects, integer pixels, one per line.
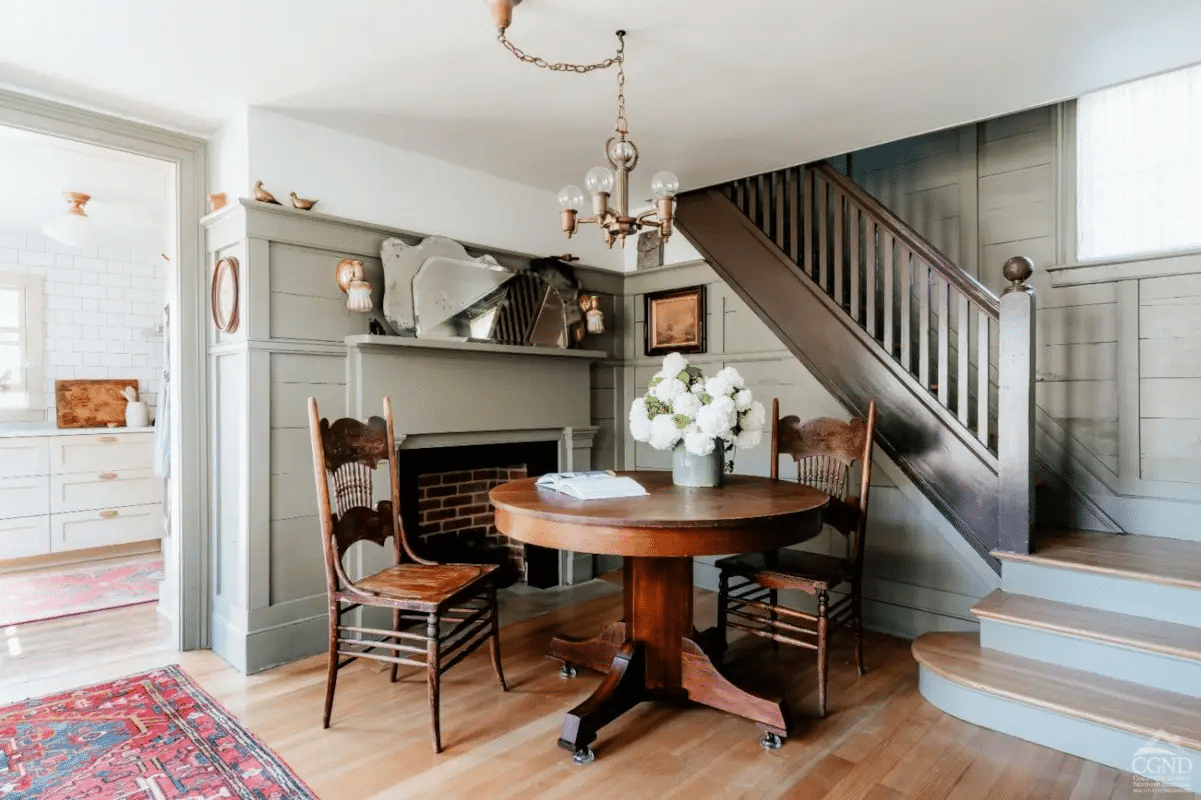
[
  {"x": 303, "y": 204},
  {"x": 262, "y": 195}
]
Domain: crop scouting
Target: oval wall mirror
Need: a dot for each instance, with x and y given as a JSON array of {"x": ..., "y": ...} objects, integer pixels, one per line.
[{"x": 225, "y": 294}]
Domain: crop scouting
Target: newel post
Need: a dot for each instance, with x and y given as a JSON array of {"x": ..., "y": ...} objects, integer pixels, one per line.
[{"x": 1015, "y": 408}]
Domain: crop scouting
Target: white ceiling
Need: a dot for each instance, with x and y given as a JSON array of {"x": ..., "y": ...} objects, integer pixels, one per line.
[
  {"x": 133, "y": 197},
  {"x": 716, "y": 89}
]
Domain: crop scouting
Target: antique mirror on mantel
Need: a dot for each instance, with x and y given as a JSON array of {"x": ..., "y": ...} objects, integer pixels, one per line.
[{"x": 435, "y": 290}]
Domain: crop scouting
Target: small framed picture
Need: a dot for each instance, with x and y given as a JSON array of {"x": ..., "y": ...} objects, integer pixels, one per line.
[{"x": 675, "y": 321}]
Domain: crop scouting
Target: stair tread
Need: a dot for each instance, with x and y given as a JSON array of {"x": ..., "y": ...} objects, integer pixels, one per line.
[
  {"x": 1174, "y": 562},
  {"x": 1168, "y": 638},
  {"x": 1136, "y": 709}
]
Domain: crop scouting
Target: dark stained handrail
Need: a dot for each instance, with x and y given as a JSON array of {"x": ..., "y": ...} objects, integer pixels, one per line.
[{"x": 975, "y": 291}]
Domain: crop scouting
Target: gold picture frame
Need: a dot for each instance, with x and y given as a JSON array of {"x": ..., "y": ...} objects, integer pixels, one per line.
[{"x": 675, "y": 321}]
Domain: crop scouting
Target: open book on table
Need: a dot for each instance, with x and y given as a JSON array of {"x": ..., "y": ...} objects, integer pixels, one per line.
[{"x": 596, "y": 485}]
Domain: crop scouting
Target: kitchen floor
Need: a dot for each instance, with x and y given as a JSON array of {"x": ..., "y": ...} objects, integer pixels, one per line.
[{"x": 48, "y": 592}]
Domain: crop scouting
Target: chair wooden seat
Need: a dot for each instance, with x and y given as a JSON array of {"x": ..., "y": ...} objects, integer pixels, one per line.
[
  {"x": 788, "y": 569},
  {"x": 441, "y": 613},
  {"x": 749, "y": 584},
  {"x": 422, "y": 587}
]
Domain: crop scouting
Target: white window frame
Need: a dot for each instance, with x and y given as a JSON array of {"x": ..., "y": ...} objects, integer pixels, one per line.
[
  {"x": 1070, "y": 269},
  {"x": 32, "y": 338}
]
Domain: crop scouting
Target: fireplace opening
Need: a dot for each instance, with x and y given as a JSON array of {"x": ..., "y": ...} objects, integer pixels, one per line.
[{"x": 446, "y": 513}]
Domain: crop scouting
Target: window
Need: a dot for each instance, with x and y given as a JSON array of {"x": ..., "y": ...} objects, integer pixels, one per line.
[
  {"x": 21, "y": 390},
  {"x": 1138, "y": 167}
]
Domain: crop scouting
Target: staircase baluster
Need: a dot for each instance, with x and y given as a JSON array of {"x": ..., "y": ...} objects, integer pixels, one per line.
[
  {"x": 869, "y": 282},
  {"x": 781, "y": 178},
  {"x": 763, "y": 194},
  {"x": 944, "y": 346},
  {"x": 821, "y": 197},
  {"x": 854, "y": 263},
  {"x": 887, "y": 261},
  {"x": 963, "y": 328},
  {"x": 839, "y": 233},
  {"x": 921, "y": 282},
  {"x": 906, "y": 290},
  {"x": 807, "y": 178},
  {"x": 795, "y": 227},
  {"x": 982, "y": 389}
]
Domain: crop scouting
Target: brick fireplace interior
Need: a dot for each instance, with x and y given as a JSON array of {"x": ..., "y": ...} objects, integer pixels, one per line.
[{"x": 445, "y": 508}]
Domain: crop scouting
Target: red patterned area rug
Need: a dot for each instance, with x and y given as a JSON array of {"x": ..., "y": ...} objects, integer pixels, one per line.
[
  {"x": 62, "y": 591},
  {"x": 155, "y": 736}
]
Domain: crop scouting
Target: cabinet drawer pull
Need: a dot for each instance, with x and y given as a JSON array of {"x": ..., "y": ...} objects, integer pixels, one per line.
[
  {"x": 108, "y": 439},
  {"x": 108, "y": 514},
  {"x": 108, "y": 476}
]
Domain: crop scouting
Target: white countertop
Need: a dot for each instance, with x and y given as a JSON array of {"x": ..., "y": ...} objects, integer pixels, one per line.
[{"x": 9, "y": 431}]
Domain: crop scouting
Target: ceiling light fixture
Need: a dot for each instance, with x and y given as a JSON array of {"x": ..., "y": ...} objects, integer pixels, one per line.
[
  {"x": 615, "y": 221},
  {"x": 73, "y": 227}
]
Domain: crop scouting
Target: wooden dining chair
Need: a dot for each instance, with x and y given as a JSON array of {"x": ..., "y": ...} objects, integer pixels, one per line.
[
  {"x": 824, "y": 449},
  {"x": 454, "y": 603}
]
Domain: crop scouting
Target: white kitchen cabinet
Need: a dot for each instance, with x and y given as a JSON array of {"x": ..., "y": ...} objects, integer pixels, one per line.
[
  {"x": 74, "y": 490},
  {"x": 28, "y": 496},
  {"x": 102, "y": 527},
  {"x": 114, "y": 488},
  {"x": 24, "y": 536},
  {"x": 22, "y": 456},
  {"x": 103, "y": 452}
]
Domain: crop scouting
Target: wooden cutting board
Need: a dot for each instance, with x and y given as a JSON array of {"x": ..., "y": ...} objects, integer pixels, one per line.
[{"x": 91, "y": 403}]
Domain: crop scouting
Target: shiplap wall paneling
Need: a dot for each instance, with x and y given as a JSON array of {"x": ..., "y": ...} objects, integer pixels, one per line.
[
  {"x": 1170, "y": 378},
  {"x": 306, "y": 302},
  {"x": 296, "y": 560}
]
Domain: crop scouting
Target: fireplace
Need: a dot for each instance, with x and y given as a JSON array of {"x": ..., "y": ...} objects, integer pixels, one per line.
[
  {"x": 467, "y": 406},
  {"x": 445, "y": 508}
]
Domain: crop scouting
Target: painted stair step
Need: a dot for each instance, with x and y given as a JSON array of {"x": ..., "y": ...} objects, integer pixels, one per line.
[
  {"x": 1145, "y": 651},
  {"x": 1144, "y": 576},
  {"x": 1089, "y": 715},
  {"x": 1173, "y": 562}
]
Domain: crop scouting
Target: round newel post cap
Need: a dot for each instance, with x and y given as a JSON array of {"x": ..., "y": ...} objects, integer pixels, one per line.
[{"x": 1017, "y": 271}]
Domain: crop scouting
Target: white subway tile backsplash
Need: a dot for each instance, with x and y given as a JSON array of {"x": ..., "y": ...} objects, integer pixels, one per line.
[{"x": 99, "y": 302}]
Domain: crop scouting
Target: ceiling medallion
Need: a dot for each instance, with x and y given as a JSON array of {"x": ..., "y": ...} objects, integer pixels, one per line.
[{"x": 603, "y": 183}]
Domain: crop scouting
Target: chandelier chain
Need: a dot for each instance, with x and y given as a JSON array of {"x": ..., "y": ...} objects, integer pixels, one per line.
[
  {"x": 538, "y": 61},
  {"x": 622, "y": 123}
]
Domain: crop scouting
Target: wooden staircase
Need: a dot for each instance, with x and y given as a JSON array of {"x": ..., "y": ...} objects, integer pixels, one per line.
[
  {"x": 1092, "y": 646},
  {"x": 875, "y": 312}
]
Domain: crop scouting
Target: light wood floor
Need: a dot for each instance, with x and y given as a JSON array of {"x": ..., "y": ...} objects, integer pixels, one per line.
[{"x": 881, "y": 741}]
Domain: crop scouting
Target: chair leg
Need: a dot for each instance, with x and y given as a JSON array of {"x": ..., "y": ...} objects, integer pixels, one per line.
[
  {"x": 773, "y": 599},
  {"x": 395, "y": 640},
  {"x": 494, "y": 642},
  {"x": 434, "y": 674},
  {"x": 857, "y": 610},
  {"x": 723, "y": 597},
  {"x": 823, "y": 656},
  {"x": 331, "y": 670}
]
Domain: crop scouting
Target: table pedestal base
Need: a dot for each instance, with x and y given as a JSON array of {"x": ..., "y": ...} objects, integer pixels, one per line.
[{"x": 653, "y": 655}]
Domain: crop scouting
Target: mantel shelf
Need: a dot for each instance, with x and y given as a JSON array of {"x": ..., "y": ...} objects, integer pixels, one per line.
[{"x": 372, "y": 341}]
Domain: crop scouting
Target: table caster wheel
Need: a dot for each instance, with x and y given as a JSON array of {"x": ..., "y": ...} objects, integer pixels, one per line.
[
  {"x": 583, "y": 756},
  {"x": 565, "y": 672},
  {"x": 771, "y": 741}
]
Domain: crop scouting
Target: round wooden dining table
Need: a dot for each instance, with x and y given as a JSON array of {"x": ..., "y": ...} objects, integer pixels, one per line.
[{"x": 655, "y": 652}]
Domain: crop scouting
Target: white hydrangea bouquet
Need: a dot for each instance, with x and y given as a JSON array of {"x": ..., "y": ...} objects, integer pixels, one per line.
[{"x": 684, "y": 408}]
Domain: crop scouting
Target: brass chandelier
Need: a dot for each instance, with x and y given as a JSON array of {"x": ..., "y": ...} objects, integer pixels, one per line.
[{"x": 602, "y": 182}]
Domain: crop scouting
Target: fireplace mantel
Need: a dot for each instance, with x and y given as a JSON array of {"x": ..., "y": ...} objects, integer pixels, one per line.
[
  {"x": 444, "y": 388},
  {"x": 371, "y": 341}
]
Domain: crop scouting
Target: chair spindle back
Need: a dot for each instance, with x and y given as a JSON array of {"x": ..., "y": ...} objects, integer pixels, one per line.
[{"x": 824, "y": 450}]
